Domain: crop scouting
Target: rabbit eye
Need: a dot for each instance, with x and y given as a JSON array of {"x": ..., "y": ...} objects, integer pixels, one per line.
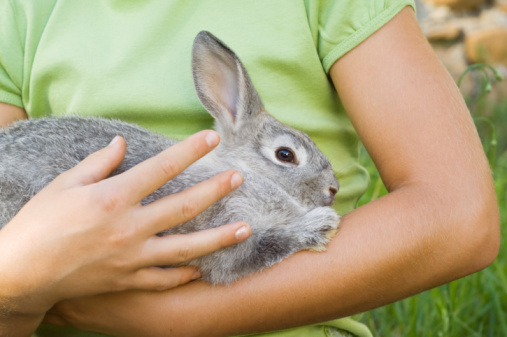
[{"x": 286, "y": 155}]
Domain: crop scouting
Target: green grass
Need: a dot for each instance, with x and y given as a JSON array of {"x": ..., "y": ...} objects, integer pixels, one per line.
[{"x": 473, "y": 306}]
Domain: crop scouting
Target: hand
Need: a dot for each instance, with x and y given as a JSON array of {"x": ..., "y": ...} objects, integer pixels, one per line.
[{"x": 87, "y": 234}]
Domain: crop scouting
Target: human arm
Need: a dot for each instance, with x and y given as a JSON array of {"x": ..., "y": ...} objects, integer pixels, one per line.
[
  {"x": 10, "y": 113},
  {"x": 438, "y": 223},
  {"x": 86, "y": 234}
]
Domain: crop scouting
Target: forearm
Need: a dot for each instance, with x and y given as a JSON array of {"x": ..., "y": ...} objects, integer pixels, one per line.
[
  {"x": 387, "y": 250},
  {"x": 10, "y": 113}
]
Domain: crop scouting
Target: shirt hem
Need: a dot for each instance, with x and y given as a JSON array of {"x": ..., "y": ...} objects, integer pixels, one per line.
[
  {"x": 363, "y": 33},
  {"x": 11, "y": 99}
]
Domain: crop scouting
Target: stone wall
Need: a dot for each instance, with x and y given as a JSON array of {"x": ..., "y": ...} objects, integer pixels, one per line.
[{"x": 463, "y": 32}]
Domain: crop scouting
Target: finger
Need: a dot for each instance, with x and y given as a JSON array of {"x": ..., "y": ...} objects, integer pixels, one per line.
[
  {"x": 99, "y": 165},
  {"x": 159, "y": 279},
  {"x": 180, "y": 207},
  {"x": 158, "y": 170},
  {"x": 176, "y": 249}
]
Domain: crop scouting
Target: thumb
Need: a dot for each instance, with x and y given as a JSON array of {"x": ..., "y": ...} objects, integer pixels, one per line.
[{"x": 99, "y": 165}]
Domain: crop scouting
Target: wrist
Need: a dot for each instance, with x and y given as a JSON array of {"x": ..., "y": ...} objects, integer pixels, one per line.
[
  {"x": 14, "y": 324},
  {"x": 15, "y": 304},
  {"x": 17, "y": 318},
  {"x": 23, "y": 292},
  {"x": 19, "y": 303}
]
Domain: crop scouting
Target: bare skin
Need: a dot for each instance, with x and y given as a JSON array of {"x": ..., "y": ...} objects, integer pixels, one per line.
[
  {"x": 10, "y": 113},
  {"x": 438, "y": 223},
  {"x": 111, "y": 245}
]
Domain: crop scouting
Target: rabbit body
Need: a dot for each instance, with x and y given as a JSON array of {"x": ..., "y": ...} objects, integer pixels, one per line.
[{"x": 288, "y": 187}]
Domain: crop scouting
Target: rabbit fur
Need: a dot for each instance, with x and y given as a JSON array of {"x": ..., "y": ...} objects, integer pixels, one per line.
[{"x": 286, "y": 203}]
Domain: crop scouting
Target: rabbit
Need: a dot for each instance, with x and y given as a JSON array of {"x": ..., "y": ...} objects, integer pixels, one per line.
[{"x": 288, "y": 186}]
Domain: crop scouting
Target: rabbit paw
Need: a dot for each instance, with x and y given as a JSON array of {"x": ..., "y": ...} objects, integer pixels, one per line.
[{"x": 322, "y": 225}]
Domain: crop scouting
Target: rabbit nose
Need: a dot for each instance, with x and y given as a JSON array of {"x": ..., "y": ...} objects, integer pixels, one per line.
[
  {"x": 333, "y": 190},
  {"x": 329, "y": 200}
]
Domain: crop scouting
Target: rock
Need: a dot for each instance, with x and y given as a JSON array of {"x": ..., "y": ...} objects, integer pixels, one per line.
[
  {"x": 468, "y": 31},
  {"x": 459, "y": 4},
  {"x": 493, "y": 17},
  {"x": 487, "y": 46},
  {"x": 441, "y": 14},
  {"x": 446, "y": 32},
  {"x": 501, "y": 5}
]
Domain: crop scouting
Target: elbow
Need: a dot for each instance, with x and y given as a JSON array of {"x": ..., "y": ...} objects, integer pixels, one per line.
[
  {"x": 479, "y": 241},
  {"x": 488, "y": 241}
]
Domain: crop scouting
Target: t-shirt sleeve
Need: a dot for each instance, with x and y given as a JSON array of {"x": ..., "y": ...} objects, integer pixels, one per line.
[
  {"x": 11, "y": 54},
  {"x": 343, "y": 24}
]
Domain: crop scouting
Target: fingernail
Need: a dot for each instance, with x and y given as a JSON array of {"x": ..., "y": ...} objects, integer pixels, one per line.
[
  {"x": 114, "y": 141},
  {"x": 242, "y": 233},
  {"x": 212, "y": 139},
  {"x": 196, "y": 275},
  {"x": 236, "y": 180}
]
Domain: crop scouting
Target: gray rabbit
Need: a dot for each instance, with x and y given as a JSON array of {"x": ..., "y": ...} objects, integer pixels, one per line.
[{"x": 288, "y": 188}]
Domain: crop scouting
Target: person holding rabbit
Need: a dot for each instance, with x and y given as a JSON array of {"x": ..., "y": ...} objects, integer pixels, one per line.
[
  {"x": 289, "y": 183},
  {"x": 339, "y": 70}
]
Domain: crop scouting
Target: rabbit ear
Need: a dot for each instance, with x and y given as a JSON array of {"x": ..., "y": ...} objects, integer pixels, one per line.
[{"x": 222, "y": 84}]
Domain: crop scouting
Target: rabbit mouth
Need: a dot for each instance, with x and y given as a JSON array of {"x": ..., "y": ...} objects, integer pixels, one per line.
[{"x": 329, "y": 200}]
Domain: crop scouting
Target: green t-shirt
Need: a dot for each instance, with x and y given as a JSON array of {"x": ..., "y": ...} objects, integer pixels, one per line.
[{"x": 130, "y": 60}]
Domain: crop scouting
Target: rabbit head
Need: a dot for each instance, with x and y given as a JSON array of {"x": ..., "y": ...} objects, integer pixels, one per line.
[{"x": 251, "y": 138}]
